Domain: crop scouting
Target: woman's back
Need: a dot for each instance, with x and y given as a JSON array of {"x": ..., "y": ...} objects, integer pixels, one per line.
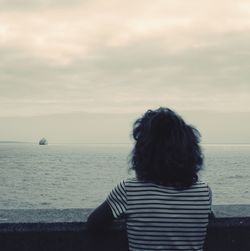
[{"x": 160, "y": 217}]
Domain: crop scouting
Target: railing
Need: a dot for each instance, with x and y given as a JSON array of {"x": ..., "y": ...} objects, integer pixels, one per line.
[{"x": 55, "y": 229}]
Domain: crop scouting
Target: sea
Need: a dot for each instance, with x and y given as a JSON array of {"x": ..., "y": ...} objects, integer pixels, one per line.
[{"x": 82, "y": 175}]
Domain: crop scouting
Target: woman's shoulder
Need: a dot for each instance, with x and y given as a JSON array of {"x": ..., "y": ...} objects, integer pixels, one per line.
[
  {"x": 132, "y": 180},
  {"x": 200, "y": 183},
  {"x": 200, "y": 187},
  {"x": 128, "y": 181},
  {"x": 135, "y": 182}
]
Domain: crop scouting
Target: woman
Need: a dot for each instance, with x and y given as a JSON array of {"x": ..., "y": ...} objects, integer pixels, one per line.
[{"x": 166, "y": 206}]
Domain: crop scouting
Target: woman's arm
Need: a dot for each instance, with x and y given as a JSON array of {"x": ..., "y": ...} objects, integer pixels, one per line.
[
  {"x": 211, "y": 215},
  {"x": 100, "y": 218}
]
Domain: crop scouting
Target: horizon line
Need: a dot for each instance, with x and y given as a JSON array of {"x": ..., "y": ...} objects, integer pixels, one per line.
[{"x": 103, "y": 143}]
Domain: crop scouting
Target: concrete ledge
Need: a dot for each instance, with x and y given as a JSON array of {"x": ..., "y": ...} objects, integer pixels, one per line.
[
  {"x": 25, "y": 220},
  {"x": 65, "y": 229}
]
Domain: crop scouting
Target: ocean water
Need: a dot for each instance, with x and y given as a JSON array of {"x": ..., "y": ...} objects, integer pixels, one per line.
[{"x": 78, "y": 176}]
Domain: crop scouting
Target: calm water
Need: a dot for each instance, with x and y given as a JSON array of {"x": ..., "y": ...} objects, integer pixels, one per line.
[{"x": 76, "y": 176}]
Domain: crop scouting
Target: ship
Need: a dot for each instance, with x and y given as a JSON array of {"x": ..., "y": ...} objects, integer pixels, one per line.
[{"x": 43, "y": 141}]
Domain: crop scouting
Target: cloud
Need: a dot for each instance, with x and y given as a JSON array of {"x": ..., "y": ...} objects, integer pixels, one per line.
[
  {"x": 70, "y": 31},
  {"x": 123, "y": 56},
  {"x": 23, "y": 5}
]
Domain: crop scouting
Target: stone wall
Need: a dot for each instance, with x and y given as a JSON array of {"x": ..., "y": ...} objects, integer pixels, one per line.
[{"x": 55, "y": 229}]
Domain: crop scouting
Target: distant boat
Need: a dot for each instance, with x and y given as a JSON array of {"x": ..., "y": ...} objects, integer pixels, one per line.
[{"x": 43, "y": 141}]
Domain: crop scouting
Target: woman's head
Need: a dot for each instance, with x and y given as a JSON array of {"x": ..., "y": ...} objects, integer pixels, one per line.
[{"x": 166, "y": 149}]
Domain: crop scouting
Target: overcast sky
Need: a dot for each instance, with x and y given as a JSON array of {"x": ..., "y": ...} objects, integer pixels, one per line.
[{"x": 123, "y": 57}]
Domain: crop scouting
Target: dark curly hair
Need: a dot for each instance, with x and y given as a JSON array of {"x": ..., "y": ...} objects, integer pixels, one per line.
[{"x": 166, "y": 149}]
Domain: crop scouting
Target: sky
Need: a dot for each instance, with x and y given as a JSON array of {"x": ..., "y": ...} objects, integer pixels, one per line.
[{"x": 83, "y": 71}]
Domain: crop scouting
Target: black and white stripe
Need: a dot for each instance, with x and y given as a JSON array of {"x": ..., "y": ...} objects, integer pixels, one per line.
[{"x": 160, "y": 217}]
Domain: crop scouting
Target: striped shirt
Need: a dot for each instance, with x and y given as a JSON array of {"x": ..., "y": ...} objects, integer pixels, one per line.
[{"x": 160, "y": 217}]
